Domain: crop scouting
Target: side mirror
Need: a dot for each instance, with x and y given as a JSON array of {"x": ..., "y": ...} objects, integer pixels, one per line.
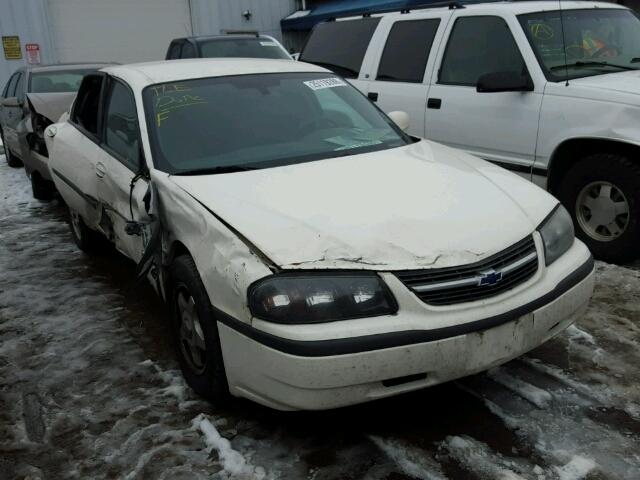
[
  {"x": 504, "y": 82},
  {"x": 11, "y": 102},
  {"x": 401, "y": 119}
]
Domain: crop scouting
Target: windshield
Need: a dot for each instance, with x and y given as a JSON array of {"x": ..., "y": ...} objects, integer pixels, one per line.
[
  {"x": 230, "y": 123},
  {"x": 57, "y": 81},
  {"x": 255, "y": 47},
  {"x": 596, "y": 41}
]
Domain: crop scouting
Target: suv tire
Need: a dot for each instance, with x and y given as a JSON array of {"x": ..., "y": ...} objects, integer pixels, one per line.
[
  {"x": 602, "y": 193},
  {"x": 193, "y": 322}
]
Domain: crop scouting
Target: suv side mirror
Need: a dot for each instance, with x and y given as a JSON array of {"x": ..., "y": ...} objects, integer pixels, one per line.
[
  {"x": 11, "y": 102},
  {"x": 504, "y": 82},
  {"x": 401, "y": 119}
]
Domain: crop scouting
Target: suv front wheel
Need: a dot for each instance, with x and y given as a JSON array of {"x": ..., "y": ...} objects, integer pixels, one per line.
[{"x": 602, "y": 193}]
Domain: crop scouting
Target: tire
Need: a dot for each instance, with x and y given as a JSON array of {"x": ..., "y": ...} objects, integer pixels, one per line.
[
  {"x": 42, "y": 189},
  {"x": 12, "y": 160},
  {"x": 89, "y": 241},
  {"x": 597, "y": 191},
  {"x": 203, "y": 370}
]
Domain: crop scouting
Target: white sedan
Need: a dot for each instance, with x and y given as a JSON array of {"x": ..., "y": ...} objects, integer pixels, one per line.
[{"x": 313, "y": 255}]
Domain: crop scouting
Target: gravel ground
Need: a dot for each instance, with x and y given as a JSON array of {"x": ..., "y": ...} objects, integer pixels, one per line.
[{"x": 90, "y": 388}]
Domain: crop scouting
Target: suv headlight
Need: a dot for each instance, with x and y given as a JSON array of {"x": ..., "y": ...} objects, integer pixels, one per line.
[
  {"x": 557, "y": 234},
  {"x": 297, "y": 298}
]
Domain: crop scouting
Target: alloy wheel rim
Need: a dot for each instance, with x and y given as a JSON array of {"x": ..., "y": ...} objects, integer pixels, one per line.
[
  {"x": 191, "y": 336},
  {"x": 602, "y": 211}
]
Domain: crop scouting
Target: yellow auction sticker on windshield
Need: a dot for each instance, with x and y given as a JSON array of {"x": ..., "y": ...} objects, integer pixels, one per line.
[{"x": 325, "y": 83}]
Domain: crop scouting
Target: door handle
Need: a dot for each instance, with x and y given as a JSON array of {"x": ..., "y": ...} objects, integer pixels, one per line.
[
  {"x": 100, "y": 170},
  {"x": 373, "y": 96},
  {"x": 434, "y": 103}
]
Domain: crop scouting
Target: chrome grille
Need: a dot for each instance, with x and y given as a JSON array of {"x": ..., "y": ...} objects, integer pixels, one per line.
[{"x": 487, "y": 278}]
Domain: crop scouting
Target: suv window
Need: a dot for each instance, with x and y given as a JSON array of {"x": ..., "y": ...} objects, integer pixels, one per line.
[
  {"x": 340, "y": 46},
  {"x": 406, "y": 52},
  {"x": 85, "y": 112},
  {"x": 477, "y": 46},
  {"x": 174, "y": 51},
  {"x": 121, "y": 126},
  {"x": 188, "y": 51}
]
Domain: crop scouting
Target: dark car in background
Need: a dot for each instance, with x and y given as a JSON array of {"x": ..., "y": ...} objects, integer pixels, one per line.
[
  {"x": 34, "y": 98},
  {"x": 224, "y": 46}
]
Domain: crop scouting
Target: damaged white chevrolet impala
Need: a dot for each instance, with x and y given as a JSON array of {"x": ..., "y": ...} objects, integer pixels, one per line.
[{"x": 313, "y": 255}]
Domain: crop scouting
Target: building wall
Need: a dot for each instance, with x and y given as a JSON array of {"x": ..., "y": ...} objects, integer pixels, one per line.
[
  {"x": 214, "y": 17},
  {"x": 27, "y": 19}
]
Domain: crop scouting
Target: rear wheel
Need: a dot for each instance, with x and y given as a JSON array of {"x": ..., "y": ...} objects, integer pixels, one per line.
[
  {"x": 87, "y": 240},
  {"x": 196, "y": 333},
  {"x": 42, "y": 189},
  {"x": 602, "y": 193},
  {"x": 12, "y": 160}
]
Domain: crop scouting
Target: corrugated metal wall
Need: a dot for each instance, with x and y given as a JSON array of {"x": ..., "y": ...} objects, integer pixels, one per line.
[
  {"x": 213, "y": 17},
  {"x": 27, "y": 19}
]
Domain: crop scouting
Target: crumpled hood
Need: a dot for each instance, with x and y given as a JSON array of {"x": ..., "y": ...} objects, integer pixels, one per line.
[
  {"x": 51, "y": 105},
  {"x": 410, "y": 207}
]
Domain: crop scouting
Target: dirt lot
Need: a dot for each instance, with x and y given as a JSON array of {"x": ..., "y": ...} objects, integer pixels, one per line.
[{"x": 89, "y": 388}]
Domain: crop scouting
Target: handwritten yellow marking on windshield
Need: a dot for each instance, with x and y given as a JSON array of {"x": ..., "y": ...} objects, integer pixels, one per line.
[{"x": 167, "y": 100}]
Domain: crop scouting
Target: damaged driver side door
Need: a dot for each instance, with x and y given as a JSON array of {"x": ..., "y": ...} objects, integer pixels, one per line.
[{"x": 122, "y": 173}]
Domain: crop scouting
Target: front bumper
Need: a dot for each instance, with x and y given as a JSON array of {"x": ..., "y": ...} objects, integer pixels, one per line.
[{"x": 291, "y": 374}]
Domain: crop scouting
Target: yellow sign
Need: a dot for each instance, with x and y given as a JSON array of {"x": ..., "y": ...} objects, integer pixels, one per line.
[{"x": 11, "y": 46}]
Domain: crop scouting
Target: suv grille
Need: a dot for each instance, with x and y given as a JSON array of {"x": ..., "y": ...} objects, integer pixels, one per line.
[{"x": 492, "y": 276}]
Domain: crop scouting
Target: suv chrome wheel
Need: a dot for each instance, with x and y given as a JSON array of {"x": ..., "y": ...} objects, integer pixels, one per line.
[
  {"x": 190, "y": 332},
  {"x": 602, "y": 211}
]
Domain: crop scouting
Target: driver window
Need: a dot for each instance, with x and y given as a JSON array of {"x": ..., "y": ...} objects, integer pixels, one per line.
[
  {"x": 477, "y": 46},
  {"x": 121, "y": 133}
]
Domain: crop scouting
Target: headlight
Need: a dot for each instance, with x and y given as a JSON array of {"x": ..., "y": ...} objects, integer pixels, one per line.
[
  {"x": 557, "y": 234},
  {"x": 320, "y": 297}
]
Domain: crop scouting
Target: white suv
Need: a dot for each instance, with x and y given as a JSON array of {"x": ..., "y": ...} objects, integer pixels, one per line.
[{"x": 551, "y": 94}]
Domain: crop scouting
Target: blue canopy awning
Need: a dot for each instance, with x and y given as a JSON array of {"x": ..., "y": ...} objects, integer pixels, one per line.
[{"x": 305, "y": 20}]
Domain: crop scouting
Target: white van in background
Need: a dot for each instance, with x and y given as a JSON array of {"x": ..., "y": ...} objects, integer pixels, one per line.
[{"x": 551, "y": 94}]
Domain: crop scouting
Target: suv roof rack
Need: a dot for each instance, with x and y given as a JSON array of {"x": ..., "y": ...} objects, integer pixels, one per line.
[{"x": 453, "y": 5}]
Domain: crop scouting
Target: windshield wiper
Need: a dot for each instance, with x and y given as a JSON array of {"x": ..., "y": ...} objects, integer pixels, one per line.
[
  {"x": 591, "y": 64},
  {"x": 215, "y": 170}
]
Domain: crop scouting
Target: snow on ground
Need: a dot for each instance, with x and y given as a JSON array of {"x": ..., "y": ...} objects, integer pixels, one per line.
[{"x": 90, "y": 388}]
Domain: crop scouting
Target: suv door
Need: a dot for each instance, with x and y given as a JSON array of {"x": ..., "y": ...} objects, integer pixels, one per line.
[
  {"x": 121, "y": 186},
  {"x": 75, "y": 151},
  {"x": 500, "y": 127},
  {"x": 401, "y": 75}
]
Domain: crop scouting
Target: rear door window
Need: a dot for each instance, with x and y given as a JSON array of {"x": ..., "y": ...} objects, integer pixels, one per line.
[
  {"x": 86, "y": 108},
  {"x": 406, "y": 52},
  {"x": 340, "y": 46},
  {"x": 477, "y": 46},
  {"x": 122, "y": 137}
]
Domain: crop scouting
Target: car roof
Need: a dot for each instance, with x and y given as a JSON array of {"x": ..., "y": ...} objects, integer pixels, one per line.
[
  {"x": 513, "y": 7},
  {"x": 141, "y": 75}
]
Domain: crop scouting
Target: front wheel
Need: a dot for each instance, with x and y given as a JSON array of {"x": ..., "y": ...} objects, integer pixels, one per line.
[
  {"x": 196, "y": 333},
  {"x": 602, "y": 193}
]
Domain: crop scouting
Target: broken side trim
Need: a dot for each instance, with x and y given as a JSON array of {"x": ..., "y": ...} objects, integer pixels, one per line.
[
  {"x": 89, "y": 199},
  {"x": 366, "y": 343}
]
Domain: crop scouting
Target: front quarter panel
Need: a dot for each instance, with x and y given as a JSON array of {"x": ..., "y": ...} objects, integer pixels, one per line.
[{"x": 226, "y": 264}]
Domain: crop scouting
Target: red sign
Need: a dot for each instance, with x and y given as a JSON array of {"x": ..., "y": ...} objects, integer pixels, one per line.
[{"x": 33, "y": 53}]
